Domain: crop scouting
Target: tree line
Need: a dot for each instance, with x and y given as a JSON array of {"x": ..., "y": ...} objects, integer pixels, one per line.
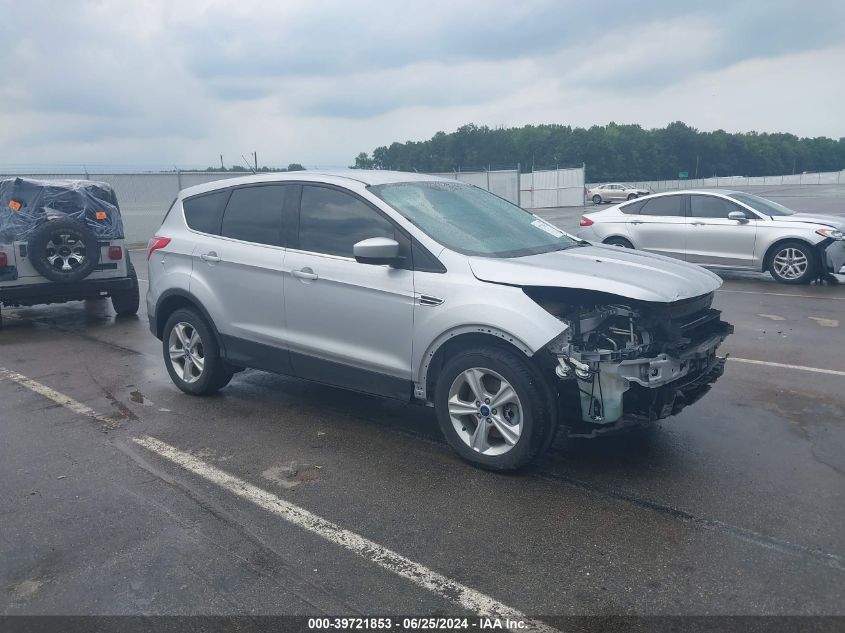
[{"x": 612, "y": 152}]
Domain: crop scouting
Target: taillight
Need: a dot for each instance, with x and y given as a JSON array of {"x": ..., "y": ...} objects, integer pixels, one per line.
[
  {"x": 585, "y": 221},
  {"x": 115, "y": 253},
  {"x": 4, "y": 260},
  {"x": 156, "y": 243}
]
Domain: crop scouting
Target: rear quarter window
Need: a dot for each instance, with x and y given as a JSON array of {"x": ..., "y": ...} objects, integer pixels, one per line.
[
  {"x": 204, "y": 213},
  {"x": 633, "y": 208}
]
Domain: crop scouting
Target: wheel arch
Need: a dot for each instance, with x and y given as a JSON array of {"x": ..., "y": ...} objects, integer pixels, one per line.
[
  {"x": 618, "y": 236},
  {"x": 175, "y": 299},
  {"x": 770, "y": 251},
  {"x": 456, "y": 340}
]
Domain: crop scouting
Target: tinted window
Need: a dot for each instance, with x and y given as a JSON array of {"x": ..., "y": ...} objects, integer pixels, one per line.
[
  {"x": 203, "y": 213},
  {"x": 664, "y": 205},
  {"x": 254, "y": 214},
  {"x": 711, "y": 207},
  {"x": 634, "y": 207},
  {"x": 331, "y": 222}
]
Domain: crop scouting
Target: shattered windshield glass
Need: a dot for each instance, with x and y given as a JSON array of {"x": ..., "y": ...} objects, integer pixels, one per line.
[{"x": 472, "y": 221}]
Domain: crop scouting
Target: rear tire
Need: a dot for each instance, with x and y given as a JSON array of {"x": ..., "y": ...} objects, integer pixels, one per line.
[
  {"x": 201, "y": 371},
  {"x": 126, "y": 302},
  {"x": 793, "y": 263},
  {"x": 514, "y": 419},
  {"x": 597, "y": 199},
  {"x": 618, "y": 241}
]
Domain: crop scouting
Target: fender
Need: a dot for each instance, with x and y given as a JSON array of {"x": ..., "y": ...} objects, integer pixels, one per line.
[
  {"x": 157, "y": 323},
  {"x": 420, "y": 386},
  {"x": 514, "y": 318}
]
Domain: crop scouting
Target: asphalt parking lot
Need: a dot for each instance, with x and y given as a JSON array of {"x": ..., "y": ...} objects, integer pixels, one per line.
[{"x": 121, "y": 495}]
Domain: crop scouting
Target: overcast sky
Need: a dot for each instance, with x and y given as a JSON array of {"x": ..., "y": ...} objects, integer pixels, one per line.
[{"x": 164, "y": 82}]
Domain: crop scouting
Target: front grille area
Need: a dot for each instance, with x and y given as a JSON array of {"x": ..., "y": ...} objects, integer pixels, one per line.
[{"x": 675, "y": 335}]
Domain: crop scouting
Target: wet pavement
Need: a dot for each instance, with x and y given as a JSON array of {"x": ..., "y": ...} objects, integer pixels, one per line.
[{"x": 735, "y": 506}]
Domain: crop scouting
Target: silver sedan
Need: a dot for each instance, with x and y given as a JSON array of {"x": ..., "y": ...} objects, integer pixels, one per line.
[
  {"x": 613, "y": 191},
  {"x": 725, "y": 230}
]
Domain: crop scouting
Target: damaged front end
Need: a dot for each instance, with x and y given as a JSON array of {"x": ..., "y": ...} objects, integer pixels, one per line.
[{"x": 629, "y": 361}]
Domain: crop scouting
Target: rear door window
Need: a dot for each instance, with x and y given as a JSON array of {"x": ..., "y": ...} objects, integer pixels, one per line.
[
  {"x": 667, "y": 206},
  {"x": 712, "y": 207},
  {"x": 203, "y": 213},
  {"x": 332, "y": 222},
  {"x": 254, "y": 214}
]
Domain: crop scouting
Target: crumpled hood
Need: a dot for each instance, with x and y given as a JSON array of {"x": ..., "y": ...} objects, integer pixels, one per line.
[
  {"x": 620, "y": 271},
  {"x": 837, "y": 222}
]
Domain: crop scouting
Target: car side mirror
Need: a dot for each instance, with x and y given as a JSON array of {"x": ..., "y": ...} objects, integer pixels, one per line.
[
  {"x": 739, "y": 216},
  {"x": 376, "y": 250}
]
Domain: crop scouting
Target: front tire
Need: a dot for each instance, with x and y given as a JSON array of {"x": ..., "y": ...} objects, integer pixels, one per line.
[
  {"x": 632, "y": 196},
  {"x": 793, "y": 263},
  {"x": 494, "y": 408},
  {"x": 597, "y": 199},
  {"x": 191, "y": 354}
]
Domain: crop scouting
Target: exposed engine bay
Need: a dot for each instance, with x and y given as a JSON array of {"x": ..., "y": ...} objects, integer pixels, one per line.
[{"x": 634, "y": 359}]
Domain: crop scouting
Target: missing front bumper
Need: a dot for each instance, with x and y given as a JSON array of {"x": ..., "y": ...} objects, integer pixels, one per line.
[
  {"x": 649, "y": 405},
  {"x": 647, "y": 388},
  {"x": 834, "y": 257}
]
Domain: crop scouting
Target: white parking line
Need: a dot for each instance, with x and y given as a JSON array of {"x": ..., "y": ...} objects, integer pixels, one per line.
[
  {"x": 58, "y": 398},
  {"x": 817, "y": 370},
  {"x": 469, "y": 599},
  {"x": 453, "y": 591}
]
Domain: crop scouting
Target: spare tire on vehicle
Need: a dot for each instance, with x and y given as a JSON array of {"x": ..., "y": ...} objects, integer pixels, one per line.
[{"x": 63, "y": 250}]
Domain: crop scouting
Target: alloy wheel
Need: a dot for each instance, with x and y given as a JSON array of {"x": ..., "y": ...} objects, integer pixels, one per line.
[
  {"x": 790, "y": 263},
  {"x": 66, "y": 252},
  {"x": 187, "y": 355},
  {"x": 485, "y": 411}
]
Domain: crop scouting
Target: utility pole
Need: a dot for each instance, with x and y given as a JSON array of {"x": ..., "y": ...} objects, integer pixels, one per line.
[
  {"x": 222, "y": 168},
  {"x": 255, "y": 156},
  {"x": 696, "y": 166}
]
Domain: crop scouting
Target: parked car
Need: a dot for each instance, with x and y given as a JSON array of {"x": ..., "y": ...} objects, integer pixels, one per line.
[
  {"x": 62, "y": 240},
  {"x": 725, "y": 230},
  {"x": 614, "y": 191},
  {"x": 431, "y": 291}
]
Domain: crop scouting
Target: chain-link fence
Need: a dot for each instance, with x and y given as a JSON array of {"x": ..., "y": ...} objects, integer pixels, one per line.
[
  {"x": 539, "y": 189},
  {"x": 563, "y": 187},
  {"x": 503, "y": 182}
]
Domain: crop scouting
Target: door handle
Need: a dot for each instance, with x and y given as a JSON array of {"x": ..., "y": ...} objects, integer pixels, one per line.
[
  {"x": 210, "y": 257},
  {"x": 697, "y": 223},
  {"x": 305, "y": 273},
  {"x": 636, "y": 221}
]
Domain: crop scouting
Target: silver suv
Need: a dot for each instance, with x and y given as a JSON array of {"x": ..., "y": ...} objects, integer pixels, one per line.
[
  {"x": 431, "y": 291},
  {"x": 62, "y": 240}
]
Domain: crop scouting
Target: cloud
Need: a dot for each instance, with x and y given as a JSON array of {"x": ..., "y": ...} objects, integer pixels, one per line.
[{"x": 163, "y": 82}]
